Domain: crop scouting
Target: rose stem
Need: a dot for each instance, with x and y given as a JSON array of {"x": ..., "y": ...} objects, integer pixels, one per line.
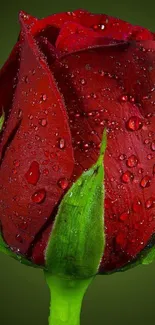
[{"x": 66, "y": 299}]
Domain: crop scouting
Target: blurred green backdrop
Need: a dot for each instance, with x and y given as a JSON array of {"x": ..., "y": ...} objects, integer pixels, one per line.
[{"x": 123, "y": 299}]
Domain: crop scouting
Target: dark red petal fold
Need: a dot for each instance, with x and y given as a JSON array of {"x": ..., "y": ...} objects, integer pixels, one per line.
[
  {"x": 8, "y": 80},
  {"x": 101, "y": 24},
  {"x": 36, "y": 151},
  {"x": 74, "y": 37}
]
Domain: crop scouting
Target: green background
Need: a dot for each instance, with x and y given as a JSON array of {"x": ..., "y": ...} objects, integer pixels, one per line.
[{"x": 122, "y": 298}]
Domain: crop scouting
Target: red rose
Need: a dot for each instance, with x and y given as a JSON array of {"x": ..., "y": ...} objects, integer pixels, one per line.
[{"x": 69, "y": 76}]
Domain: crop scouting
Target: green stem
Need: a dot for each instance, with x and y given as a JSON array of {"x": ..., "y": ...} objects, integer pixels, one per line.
[{"x": 66, "y": 302}]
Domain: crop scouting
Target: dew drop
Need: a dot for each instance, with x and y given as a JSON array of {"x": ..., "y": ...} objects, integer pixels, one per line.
[
  {"x": 55, "y": 168},
  {"x": 145, "y": 182},
  {"x": 102, "y": 26},
  {"x": 33, "y": 173},
  {"x": 43, "y": 122},
  {"x": 134, "y": 123},
  {"x": 20, "y": 113},
  {"x": 39, "y": 196},
  {"x": 121, "y": 239},
  {"x": 137, "y": 205},
  {"x": 149, "y": 156},
  {"x": 63, "y": 183},
  {"x": 146, "y": 141},
  {"x": 19, "y": 238},
  {"x": 23, "y": 225},
  {"x": 44, "y": 97},
  {"x": 124, "y": 98},
  {"x": 45, "y": 171},
  {"x": 153, "y": 146},
  {"x": 122, "y": 157},
  {"x": 62, "y": 143},
  {"x": 124, "y": 216},
  {"x": 82, "y": 81},
  {"x": 127, "y": 177},
  {"x": 101, "y": 72},
  {"x": 99, "y": 26},
  {"x": 132, "y": 161},
  {"x": 71, "y": 13},
  {"x": 16, "y": 163},
  {"x": 131, "y": 99},
  {"x": 149, "y": 203},
  {"x": 26, "y": 79}
]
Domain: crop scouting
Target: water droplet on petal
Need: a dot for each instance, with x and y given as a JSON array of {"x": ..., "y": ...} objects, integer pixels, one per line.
[
  {"x": 140, "y": 170},
  {"x": 16, "y": 163},
  {"x": 55, "y": 168},
  {"x": 44, "y": 97},
  {"x": 23, "y": 225},
  {"x": 61, "y": 143},
  {"x": 46, "y": 171},
  {"x": 145, "y": 182},
  {"x": 134, "y": 123},
  {"x": 71, "y": 13},
  {"x": 124, "y": 216},
  {"x": 132, "y": 161},
  {"x": 122, "y": 157},
  {"x": 20, "y": 113},
  {"x": 99, "y": 26},
  {"x": 153, "y": 146},
  {"x": 131, "y": 99},
  {"x": 149, "y": 203},
  {"x": 43, "y": 122},
  {"x": 146, "y": 141},
  {"x": 63, "y": 183},
  {"x": 149, "y": 156},
  {"x": 121, "y": 239},
  {"x": 127, "y": 177},
  {"x": 33, "y": 173},
  {"x": 26, "y": 79},
  {"x": 39, "y": 196},
  {"x": 82, "y": 81},
  {"x": 124, "y": 98},
  {"x": 137, "y": 205},
  {"x": 19, "y": 238}
]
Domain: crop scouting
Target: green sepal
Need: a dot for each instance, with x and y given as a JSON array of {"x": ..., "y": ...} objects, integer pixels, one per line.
[
  {"x": 76, "y": 244},
  {"x": 149, "y": 258},
  {"x": 4, "y": 248},
  {"x": 2, "y": 119}
]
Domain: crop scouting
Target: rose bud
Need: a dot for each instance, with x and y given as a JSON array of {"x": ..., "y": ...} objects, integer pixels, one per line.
[{"x": 72, "y": 202}]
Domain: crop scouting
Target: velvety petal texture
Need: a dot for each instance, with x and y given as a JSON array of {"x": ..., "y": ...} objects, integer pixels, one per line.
[
  {"x": 78, "y": 74},
  {"x": 36, "y": 151}
]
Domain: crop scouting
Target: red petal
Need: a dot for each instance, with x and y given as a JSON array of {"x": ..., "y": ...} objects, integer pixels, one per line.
[
  {"x": 113, "y": 27},
  {"x": 104, "y": 25},
  {"x": 96, "y": 85},
  {"x": 8, "y": 76},
  {"x": 32, "y": 160},
  {"x": 74, "y": 37}
]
